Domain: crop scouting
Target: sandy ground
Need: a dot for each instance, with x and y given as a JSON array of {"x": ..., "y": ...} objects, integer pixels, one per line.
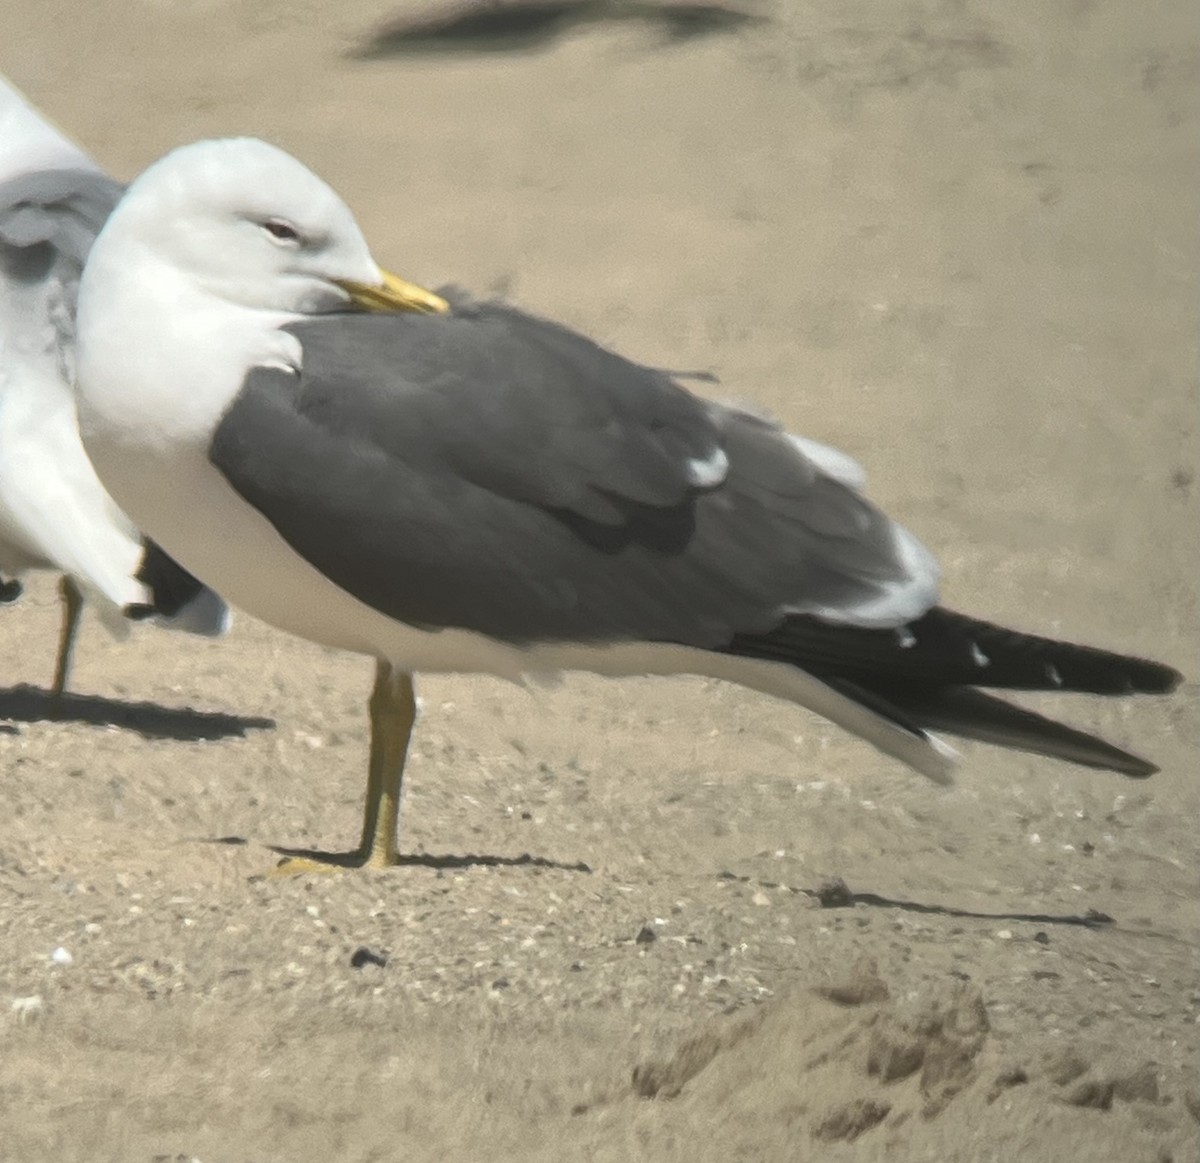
[{"x": 959, "y": 240}]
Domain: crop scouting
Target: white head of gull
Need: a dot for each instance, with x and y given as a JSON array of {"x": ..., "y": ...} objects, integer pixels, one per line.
[
  {"x": 234, "y": 238},
  {"x": 247, "y": 223},
  {"x": 470, "y": 488}
]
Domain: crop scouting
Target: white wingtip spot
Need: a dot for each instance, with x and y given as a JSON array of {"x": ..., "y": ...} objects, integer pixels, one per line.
[
  {"x": 978, "y": 657},
  {"x": 710, "y": 472}
]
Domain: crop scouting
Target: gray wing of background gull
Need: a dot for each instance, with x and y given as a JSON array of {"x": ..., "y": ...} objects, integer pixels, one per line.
[
  {"x": 489, "y": 471},
  {"x": 54, "y": 513}
]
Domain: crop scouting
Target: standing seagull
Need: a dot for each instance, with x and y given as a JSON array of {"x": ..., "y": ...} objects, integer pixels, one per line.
[
  {"x": 455, "y": 487},
  {"x": 54, "y": 513}
]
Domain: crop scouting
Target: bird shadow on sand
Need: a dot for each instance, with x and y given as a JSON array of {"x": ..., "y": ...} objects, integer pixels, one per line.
[
  {"x": 26, "y": 704},
  {"x": 1091, "y": 919},
  {"x": 835, "y": 894},
  {"x": 511, "y": 26},
  {"x": 441, "y": 863}
]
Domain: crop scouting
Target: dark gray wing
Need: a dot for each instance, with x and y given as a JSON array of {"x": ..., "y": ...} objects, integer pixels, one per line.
[
  {"x": 491, "y": 471},
  {"x": 496, "y": 473}
]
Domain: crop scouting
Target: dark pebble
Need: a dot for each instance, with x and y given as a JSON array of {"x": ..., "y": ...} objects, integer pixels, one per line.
[{"x": 364, "y": 956}]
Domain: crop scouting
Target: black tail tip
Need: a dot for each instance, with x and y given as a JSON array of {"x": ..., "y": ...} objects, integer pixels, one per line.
[
  {"x": 1141, "y": 676},
  {"x": 1171, "y": 680},
  {"x": 1136, "y": 768}
]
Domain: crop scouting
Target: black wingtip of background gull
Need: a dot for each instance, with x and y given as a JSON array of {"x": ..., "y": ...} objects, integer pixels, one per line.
[
  {"x": 170, "y": 585},
  {"x": 26, "y": 704}
]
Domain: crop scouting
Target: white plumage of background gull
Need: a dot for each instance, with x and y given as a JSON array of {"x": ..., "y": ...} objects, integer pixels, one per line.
[
  {"x": 54, "y": 513},
  {"x": 452, "y": 486}
]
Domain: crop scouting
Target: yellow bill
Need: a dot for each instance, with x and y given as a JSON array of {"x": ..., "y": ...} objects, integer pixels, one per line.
[{"x": 394, "y": 294}]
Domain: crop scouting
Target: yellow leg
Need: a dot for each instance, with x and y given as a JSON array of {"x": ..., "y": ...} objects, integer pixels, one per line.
[
  {"x": 393, "y": 712},
  {"x": 72, "y": 601}
]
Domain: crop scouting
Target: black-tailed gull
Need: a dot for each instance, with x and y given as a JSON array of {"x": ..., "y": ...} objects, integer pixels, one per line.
[
  {"x": 449, "y": 486},
  {"x": 54, "y": 513}
]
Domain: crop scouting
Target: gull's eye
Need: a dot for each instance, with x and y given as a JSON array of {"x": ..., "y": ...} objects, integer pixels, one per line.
[{"x": 282, "y": 232}]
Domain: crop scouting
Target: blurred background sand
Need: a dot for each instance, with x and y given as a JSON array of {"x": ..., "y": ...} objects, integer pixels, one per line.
[{"x": 959, "y": 241}]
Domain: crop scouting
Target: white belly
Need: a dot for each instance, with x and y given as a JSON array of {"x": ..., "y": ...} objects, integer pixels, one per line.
[{"x": 184, "y": 503}]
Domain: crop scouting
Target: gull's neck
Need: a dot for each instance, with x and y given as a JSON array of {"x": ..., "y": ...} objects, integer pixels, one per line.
[{"x": 160, "y": 357}]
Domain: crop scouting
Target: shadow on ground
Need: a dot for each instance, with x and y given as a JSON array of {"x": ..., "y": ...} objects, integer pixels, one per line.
[
  {"x": 836, "y": 894},
  {"x": 26, "y": 704},
  {"x": 514, "y": 26},
  {"x": 444, "y": 861}
]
